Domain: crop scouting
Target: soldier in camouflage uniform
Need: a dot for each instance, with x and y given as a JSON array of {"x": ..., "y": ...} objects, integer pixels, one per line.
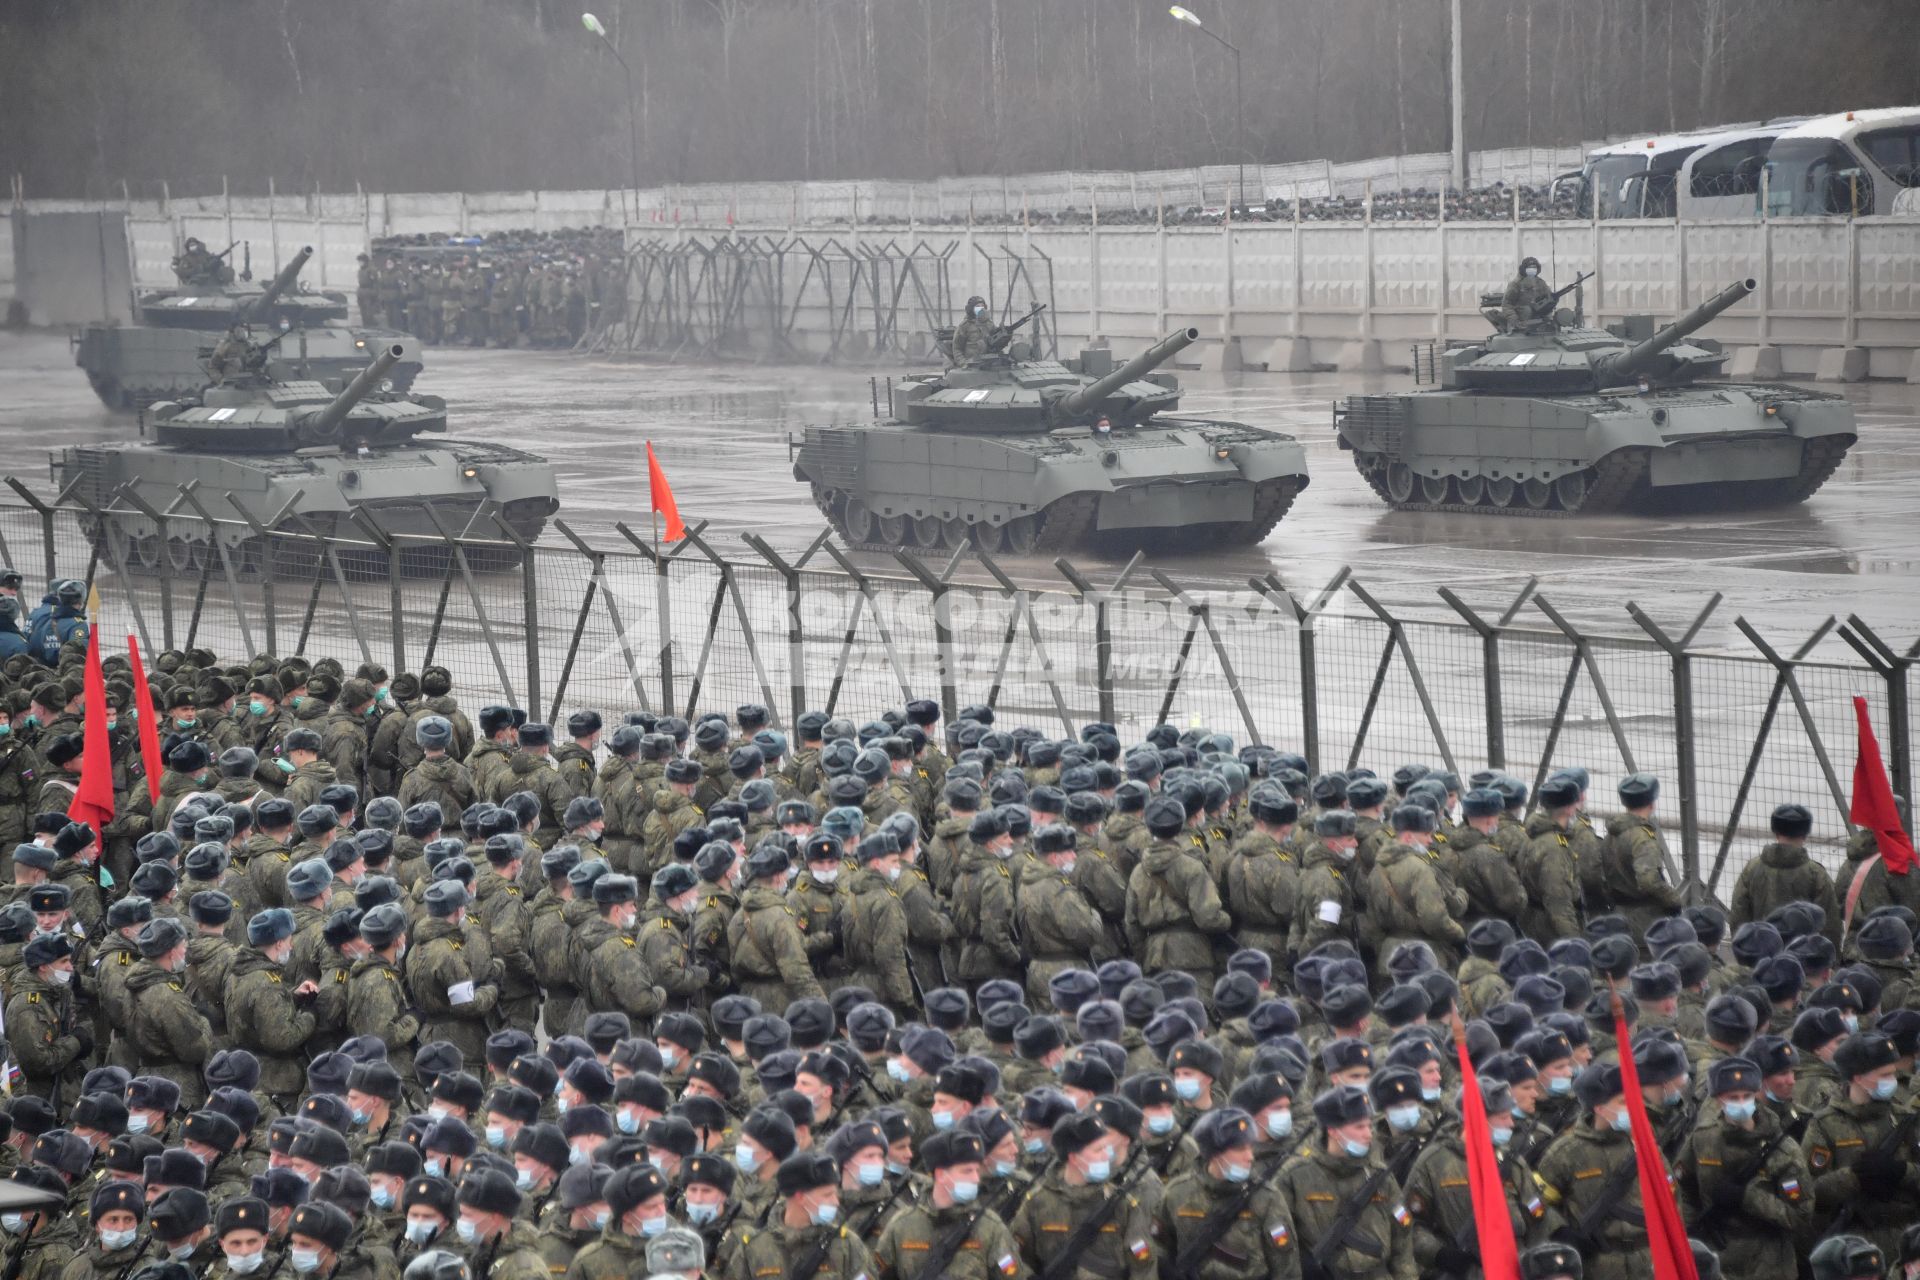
[
  {"x": 1225, "y": 1214},
  {"x": 174, "y": 1039},
  {"x": 665, "y": 941},
  {"x": 1332, "y": 896},
  {"x": 1636, "y": 857},
  {"x": 983, "y": 903},
  {"x": 455, "y": 991},
  {"x": 1549, "y": 868},
  {"x": 768, "y": 953},
  {"x": 1059, "y": 926},
  {"x": 1861, "y": 1150},
  {"x": 674, "y": 810},
  {"x": 972, "y": 1243},
  {"x": 1317, "y": 1188},
  {"x": 1440, "y": 1203},
  {"x": 1588, "y": 1174},
  {"x": 438, "y": 779},
  {"x": 1409, "y": 898},
  {"x": 1744, "y": 1179},
  {"x": 1077, "y": 1210},
  {"x": 875, "y": 941},
  {"x": 267, "y": 1015},
  {"x": 1784, "y": 873}
]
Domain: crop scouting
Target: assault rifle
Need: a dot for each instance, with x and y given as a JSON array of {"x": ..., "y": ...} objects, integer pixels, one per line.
[
  {"x": 934, "y": 1266},
  {"x": 1067, "y": 1261},
  {"x": 1544, "y": 308},
  {"x": 1003, "y": 334},
  {"x": 1713, "y": 1225},
  {"x": 1895, "y": 1138}
]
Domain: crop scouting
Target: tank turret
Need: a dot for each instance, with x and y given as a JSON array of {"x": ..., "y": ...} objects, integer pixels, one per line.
[
  {"x": 1653, "y": 358},
  {"x": 1031, "y": 456},
  {"x": 1076, "y": 404},
  {"x": 258, "y": 308},
  {"x": 279, "y": 416}
]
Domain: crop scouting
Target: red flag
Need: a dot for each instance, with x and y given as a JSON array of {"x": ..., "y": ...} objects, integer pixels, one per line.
[
  {"x": 1492, "y": 1223},
  {"x": 1873, "y": 806},
  {"x": 93, "y": 799},
  {"x": 148, "y": 718},
  {"x": 661, "y": 494},
  {"x": 1666, "y": 1234}
]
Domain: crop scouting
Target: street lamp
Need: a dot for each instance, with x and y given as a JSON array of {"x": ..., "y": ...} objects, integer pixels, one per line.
[
  {"x": 1183, "y": 14},
  {"x": 593, "y": 25}
]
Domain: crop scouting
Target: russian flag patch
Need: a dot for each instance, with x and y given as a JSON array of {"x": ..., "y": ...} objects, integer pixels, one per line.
[
  {"x": 1401, "y": 1216},
  {"x": 1008, "y": 1265},
  {"x": 1535, "y": 1208},
  {"x": 1140, "y": 1250},
  {"x": 1279, "y": 1234},
  {"x": 1790, "y": 1188}
]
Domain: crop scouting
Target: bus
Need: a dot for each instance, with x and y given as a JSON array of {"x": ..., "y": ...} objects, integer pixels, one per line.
[
  {"x": 1706, "y": 173},
  {"x": 1850, "y": 164}
]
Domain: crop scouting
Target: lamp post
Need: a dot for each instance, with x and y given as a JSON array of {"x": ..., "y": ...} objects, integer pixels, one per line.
[
  {"x": 1183, "y": 14},
  {"x": 593, "y": 25}
]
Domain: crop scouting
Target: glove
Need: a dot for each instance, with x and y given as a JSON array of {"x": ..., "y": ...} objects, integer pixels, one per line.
[
  {"x": 83, "y": 1034},
  {"x": 1454, "y": 1260},
  {"x": 1880, "y": 1171},
  {"x": 1727, "y": 1195}
]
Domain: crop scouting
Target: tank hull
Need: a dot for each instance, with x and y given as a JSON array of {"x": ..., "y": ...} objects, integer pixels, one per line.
[
  {"x": 214, "y": 307},
  {"x": 1165, "y": 484},
  {"x": 393, "y": 486},
  {"x": 133, "y": 365},
  {"x": 1706, "y": 445}
]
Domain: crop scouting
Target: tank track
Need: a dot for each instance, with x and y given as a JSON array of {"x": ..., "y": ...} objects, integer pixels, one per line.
[
  {"x": 1611, "y": 481},
  {"x": 1820, "y": 458},
  {"x": 1065, "y": 523}
]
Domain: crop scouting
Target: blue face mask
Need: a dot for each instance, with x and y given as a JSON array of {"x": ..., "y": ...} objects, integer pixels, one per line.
[
  {"x": 1740, "y": 1112},
  {"x": 1004, "y": 1168},
  {"x": 1157, "y": 1124},
  {"x": 1034, "y": 1146},
  {"x": 1188, "y": 1089},
  {"x": 701, "y": 1214},
  {"x": 653, "y": 1226},
  {"x": 305, "y": 1261},
  {"x": 943, "y": 1119},
  {"x": 1429, "y": 1095},
  {"x": 1356, "y": 1149},
  {"x": 1501, "y": 1137},
  {"x": 966, "y": 1192},
  {"x": 1280, "y": 1124},
  {"x": 628, "y": 1122},
  {"x": 436, "y": 1168},
  {"x": 140, "y": 1122},
  {"x": 523, "y": 1179},
  {"x": 825, "y": 1215},
  {"x": 872, "y": 1175},
  {"x": 602, "y": 1217},
  {"x": 577, "y": 1156},
  {"x": 745, "y": 1160},
  {"x": 897, "y": 1071},
  {"x": 1885, "y": 1089},
  {"x": 361, "y": 1117},
  {"x": 497, "y": 1136},
  {"x": 1404, "y": 1119},
  {"x": 1238, "y": 1172},
  {"x": 1560, "y": 1086},
  {"x": 1099, "y": 1170},
  {"x": 467, "y": 1231},
  {"x": 256, "y": 707},
  {"x": 112, "y": 1240},
  {"x": 1622, "y": 1121}
]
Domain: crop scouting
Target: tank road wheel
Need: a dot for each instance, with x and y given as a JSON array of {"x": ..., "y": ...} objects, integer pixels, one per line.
[
  {"x": 145, "y": 554},
  {"x": 1434, "y": 488},
  {"x": 858, "y": 521},
  {"x": 953, "y": 532},
  {"x": 185, "y": 556},
  {"x": 892, "y": 530},
  {"x": 927, "y": 531},
  {"x": 1023, "y": 534},
  {"x": 1473, "y": 489},
  {"x": 1501, "y": 491},
  {"x": 116, "y": 547},
  {"x": 991, "y": 537},
  {"x": 1400, "y": 482},
  {"x": 1537, "y": 493},
  {"x": 1571, "y": 490},
  {"x": 249, "y": 560}
]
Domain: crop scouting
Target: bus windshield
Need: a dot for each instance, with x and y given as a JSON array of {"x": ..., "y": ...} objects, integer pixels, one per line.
[
  {"x": 1614, "y": 195},
  {"x": 1812, "y": 176},
  {"x": 1896, "y": 152}
]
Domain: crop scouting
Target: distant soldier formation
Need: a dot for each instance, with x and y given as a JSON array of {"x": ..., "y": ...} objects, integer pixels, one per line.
[
  {"x": 385, "y": 984},
  {"x": 516, "y": 289}
]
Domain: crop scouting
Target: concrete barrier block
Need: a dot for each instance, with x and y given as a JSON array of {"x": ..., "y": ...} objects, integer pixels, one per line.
[
  {"x": 1361, "y": 356},
  {"x": 1913, "y": 368},
  {"x": 1290, "y": 355},
  {"x": 1841, "y": 364},
  {"x": 1220, "y": 357},
  {"x": 1761, "y": 362}
]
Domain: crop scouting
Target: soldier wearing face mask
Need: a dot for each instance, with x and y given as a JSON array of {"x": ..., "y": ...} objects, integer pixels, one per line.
[{"x": 172, "y": 1037}]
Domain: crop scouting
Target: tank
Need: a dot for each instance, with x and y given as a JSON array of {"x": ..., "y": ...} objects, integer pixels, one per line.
[
  {"x": 163, "y": 353},
  {"x": 1555, "y": 418},
  {"x": 251, "y": 449},
  {"x": 1005, "y": 451}
]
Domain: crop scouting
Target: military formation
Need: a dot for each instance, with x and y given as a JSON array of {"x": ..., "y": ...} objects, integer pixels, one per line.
[
  {"x": 382, "y": 984},
  {"x": 521, "y": 290}
]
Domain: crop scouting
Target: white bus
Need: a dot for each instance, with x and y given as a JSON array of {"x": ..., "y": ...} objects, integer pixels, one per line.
[
  {"x": 1851, "y": 164},
  {"x": 1706, "y": 173}
]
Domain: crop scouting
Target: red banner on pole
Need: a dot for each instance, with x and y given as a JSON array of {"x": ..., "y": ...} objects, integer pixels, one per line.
[
  {"x": 93, "y": 799},
  {"x": 1492, "y": 1222},
  {"x": 1873, "y": 806},
  {"x": 1666, "y": 1234},
  {"x": 149, "y": 720}
]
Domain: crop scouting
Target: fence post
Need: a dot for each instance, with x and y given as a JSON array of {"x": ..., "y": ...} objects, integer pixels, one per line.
[
  {"x": 363, "y": 519},
  {"x": 529, "y": 607},
  {"x": 1102, "y": 602},
  {"x": 134, "y": 500},
  {"x": 663, "y": 608},
  {"x": 1489, "y": 633},
  {"x": 1892, "y": 667},
  {"x": 1685, "y": 759},
  {"x": 937, "y": 588},
  {"x": 1276, "y": 593},
  {"x": 796, "y": 629},
  {"x": 216, "y": 547},
  {"x": 46, "y": 523},
  {"x": 268, "y": 559}
]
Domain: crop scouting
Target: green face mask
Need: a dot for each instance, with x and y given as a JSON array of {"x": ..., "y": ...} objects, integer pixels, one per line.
[
  {"x": 297, "y": 700},
  {"x": 30, "y": 720},
  {"x": 188, "y": 723},
  {"x": 257, "y": 707}
]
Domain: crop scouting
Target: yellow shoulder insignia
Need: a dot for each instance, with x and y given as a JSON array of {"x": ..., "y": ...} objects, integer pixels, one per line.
[
  {"x": 33, "y": 997},
  {"x": 627, "y": 938},
  {"x": 391, "y": 975}
]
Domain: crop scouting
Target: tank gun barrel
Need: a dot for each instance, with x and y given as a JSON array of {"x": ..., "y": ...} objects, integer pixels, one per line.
[
  {"x": 1078, "y": 402},
  {"x": 1637, "y": 359},
  {"x": 323, "y": 423},
  {"x": 277, "y": 286}
]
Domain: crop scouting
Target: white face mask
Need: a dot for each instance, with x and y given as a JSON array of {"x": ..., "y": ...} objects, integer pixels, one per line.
[{"x": 826, "y": 877}]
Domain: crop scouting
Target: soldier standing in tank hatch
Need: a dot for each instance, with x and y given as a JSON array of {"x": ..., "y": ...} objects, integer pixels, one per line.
[
  {"x": 974, "y": 335},
  {"x": 1525, "y": 292}
]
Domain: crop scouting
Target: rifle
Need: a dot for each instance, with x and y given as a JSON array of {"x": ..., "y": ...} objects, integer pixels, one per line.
[
  {"x": 1315, "y": 1263},
  {"x": 935, "y": 1265},
  {"x": 1894, "y": 1139},
  {"x": 1585, "y": 1233},
  {"x": 1068, "y": 1259},
  {"x": 17, "y": 1256},
  {"x": 877, "y": 1218},
  {"x": 1187, "y": 1261},
  {"x": 1003, "y": 334},
  {"x": 809, "y": 1262},
  {"x": 1711, "y": 1223},
  {"x": 1545, "y": 306}
]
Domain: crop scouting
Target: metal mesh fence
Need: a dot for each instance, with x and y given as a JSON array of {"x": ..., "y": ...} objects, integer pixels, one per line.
[{"x": 1344, "y": 680}]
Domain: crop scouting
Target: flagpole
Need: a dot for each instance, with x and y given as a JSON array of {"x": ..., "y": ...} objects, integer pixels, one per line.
[{"x": 661, "y": 606}]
